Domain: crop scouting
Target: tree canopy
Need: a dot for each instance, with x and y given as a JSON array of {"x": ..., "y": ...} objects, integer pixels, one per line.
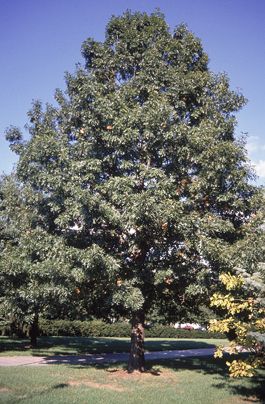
[{"x": 138, "y": 170}]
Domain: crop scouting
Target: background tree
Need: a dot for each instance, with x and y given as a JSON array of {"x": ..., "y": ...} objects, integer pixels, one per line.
[
  {"x": 139, "y": 163},
  {"x": 37, "y": 275}
]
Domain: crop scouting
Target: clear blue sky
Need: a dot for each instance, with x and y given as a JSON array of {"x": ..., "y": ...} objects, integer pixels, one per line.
[{"x": 41, "y": 39}]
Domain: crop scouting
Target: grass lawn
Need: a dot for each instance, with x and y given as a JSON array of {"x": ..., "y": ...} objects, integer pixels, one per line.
[
  {"x": 81, "y": 345},
  {"x": 182, "y": 381}
]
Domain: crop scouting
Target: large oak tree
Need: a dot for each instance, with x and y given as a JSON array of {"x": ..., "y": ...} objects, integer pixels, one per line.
[{"x": 139, "y": 169}]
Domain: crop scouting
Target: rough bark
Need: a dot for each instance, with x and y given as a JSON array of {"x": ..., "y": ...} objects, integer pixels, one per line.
[
  {"x": 136, "y": 358},
  {"x": 33, "y": 332}
]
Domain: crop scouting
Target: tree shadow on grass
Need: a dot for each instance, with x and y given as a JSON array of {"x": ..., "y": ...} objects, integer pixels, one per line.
[
  {"x": 64, "y": 345},
  {"x": 249, "y": 389},
  {"x": 60, "y": 386},
  {"x": 82, "y": 345},
  {"x": 253, "y": 389},
  {"x": 8, "y": 344}
]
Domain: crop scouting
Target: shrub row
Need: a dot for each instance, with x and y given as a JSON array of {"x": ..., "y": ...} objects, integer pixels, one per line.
[
  {"x": 98, "y": 328},
  {"x": 170, "y": 332},
  {"x": 95, "y": 328}
]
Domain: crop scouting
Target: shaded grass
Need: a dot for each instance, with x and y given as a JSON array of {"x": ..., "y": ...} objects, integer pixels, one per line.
[
  {"x": 190, "y": 380},
  {"x": 81, "y": 345}
]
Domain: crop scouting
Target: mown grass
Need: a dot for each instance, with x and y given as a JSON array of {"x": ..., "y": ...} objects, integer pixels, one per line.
[
  {"x": 81, "y": 345},
  {"x": 181, "y": 381}
]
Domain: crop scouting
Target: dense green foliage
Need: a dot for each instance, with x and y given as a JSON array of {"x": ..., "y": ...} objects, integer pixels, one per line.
[
  {"x": 98, "y": 328},
  {"x": 139, "y": 182},
  {"x": 119, "y": 329},
  {"x": 35, "y": 272}
]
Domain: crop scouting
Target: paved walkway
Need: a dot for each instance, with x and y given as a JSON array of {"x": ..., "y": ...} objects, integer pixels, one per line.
[{"x": 98, "y": 358}]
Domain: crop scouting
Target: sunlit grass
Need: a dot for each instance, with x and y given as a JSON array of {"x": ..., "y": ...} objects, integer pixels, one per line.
[{"x": 195, "y": 381}]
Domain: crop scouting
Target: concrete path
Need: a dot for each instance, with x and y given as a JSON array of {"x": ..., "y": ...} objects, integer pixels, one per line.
[{"x": 98, "y": 358}]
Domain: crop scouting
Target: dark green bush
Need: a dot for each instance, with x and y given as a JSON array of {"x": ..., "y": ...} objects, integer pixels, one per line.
[
  {"x": 98, "y": 328},
  {"x": 161, "y": 331},
  {"x": 13, "y": 329},
  {"x": 60, "y": 328}
]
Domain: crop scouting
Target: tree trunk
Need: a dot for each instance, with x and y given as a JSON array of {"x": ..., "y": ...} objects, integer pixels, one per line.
[
  {"x": 33, "y": 332},
  {"x": 136, "y": 358}
]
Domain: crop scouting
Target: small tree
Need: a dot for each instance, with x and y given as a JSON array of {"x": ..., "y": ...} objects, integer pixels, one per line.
[
  {"x": 243, "y": 321},
  {"x": 241, "y": 305},
  {"x": 139, "y": 168}
]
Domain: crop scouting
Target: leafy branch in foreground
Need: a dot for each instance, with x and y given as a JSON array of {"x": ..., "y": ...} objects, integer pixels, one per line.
[{"x": 243, "y": 320}]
